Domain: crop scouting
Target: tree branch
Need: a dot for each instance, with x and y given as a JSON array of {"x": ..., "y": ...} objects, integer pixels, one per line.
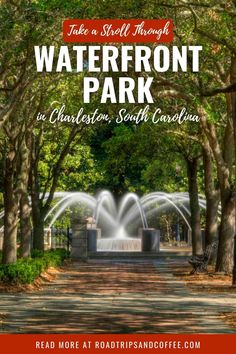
[{"x": 226, "y": 89}]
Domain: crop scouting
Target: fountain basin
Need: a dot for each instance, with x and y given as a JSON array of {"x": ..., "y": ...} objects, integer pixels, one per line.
[{"x": 131, "y": 244}]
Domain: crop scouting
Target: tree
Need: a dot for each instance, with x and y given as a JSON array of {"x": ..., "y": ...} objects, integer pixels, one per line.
[{"x": 215, "y": 33}]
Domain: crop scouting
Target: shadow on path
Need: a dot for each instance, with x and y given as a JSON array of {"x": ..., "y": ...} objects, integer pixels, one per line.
[{"x": 115, "y": 297}]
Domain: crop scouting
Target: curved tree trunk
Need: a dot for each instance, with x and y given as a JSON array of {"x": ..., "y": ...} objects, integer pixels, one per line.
[
  {"x": 9, "y": 254},
  {"x": 227, "y": 186},
  {"x": 233, "y": 102},
  {"x": 41, "y": 202},
  {"x": 195, "y": 219},
  {"x": 223, "y": 158},
  {"x": 225, "y": 250},
  {"x": 25, "y": 209}
]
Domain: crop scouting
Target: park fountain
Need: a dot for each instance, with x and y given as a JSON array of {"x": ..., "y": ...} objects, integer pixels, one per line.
[
  {"x": 121, "y": 240},
  {"x": 119, "y": 224}
]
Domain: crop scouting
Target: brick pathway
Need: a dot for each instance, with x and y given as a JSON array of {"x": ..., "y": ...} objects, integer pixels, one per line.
[{"x": 115, "y": 297}]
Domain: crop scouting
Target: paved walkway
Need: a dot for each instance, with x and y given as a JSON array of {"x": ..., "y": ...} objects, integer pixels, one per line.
[{"x": 116, "y": 297}]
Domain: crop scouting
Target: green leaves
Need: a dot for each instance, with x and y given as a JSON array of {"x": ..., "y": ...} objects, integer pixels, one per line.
[{"x": 25, "y": 271}]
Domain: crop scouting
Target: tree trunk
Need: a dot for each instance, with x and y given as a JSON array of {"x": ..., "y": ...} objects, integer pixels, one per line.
[
  {"x": 212, "y": 197},
  {"x": 38, "y": 225},
  {"x": 233, "y": 102},
  {"x": 38, "y": 233},
  {"x": 36, "y": 202},
  {"x": 211, "y": 228},
  {"x": 225, "y": 250},
  {"x": 195, "y": 218},
  {"x": 223, "y": 159},
  {"x": 9, "y": 254},
  {"x": 25, "y": 210},
  {"x": 228, "y": 198},
  {"x": 25, "y": 226}
]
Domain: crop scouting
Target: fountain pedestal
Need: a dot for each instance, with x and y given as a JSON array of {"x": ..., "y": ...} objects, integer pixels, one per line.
[
  {"x": 92, "y": 239},
  {"x": 150, "y": 240},
  {"x": 79, "y": 244}
]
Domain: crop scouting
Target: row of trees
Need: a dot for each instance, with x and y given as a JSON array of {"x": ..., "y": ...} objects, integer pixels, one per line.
[
  {"x": 37, "y": 159},
  {"x": 207, "y": 150},
  {"x": 34, "y": 155}
]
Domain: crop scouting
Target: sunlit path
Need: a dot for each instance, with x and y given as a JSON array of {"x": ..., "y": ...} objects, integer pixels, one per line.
[{"x": 116, "y": 297}]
